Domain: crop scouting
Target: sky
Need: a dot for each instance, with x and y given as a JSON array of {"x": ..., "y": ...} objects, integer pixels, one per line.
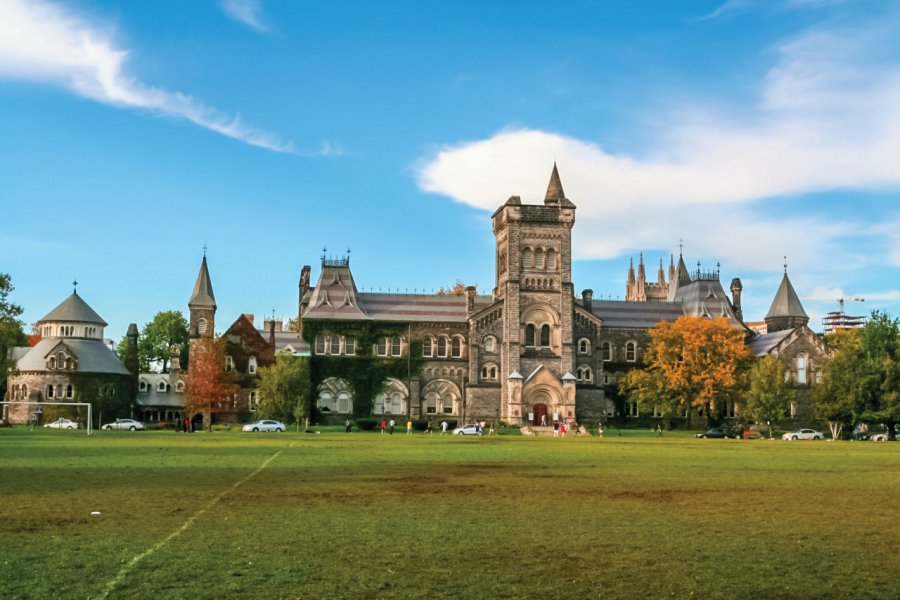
[{"x": 750, "y": 134}]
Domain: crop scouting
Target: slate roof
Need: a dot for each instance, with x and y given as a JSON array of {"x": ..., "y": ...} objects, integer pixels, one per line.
[
  {"x": 284, "y": 339},
  {"x": 763, "y": 344},
  {"x": 420, "y": 308},
  {"x": 93, "y": 356},
  {"x": 335, "y": 295},
  {"x": 153, "y": 397},
  {"x": 620, "y": 314},
  {"x": 786, "y": 302},
  {"x": 706, "y": 298},
  {"x": 203, "y": 292},
  {"x": 74, "y": 309}
]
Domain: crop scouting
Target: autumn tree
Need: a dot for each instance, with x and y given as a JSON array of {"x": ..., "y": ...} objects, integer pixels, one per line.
[
  {"x": 284, "y": 388},
  {"x": 691, "y": 363},
  {"x": 209, "y": 387},
  {"x": 457, "y": 289},
  {"x": 11, "y": 332},
  {"x": 769, "y": 394}
]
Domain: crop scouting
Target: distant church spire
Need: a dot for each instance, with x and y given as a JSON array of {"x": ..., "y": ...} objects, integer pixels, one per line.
[
  {"x": 203, "y": 292},
  {"x": 555, "y": 193},
  {"x": 660, "y": 275}
]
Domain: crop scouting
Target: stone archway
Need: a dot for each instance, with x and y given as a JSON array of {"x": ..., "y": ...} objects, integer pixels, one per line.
[{"x": 542, "y": 400}]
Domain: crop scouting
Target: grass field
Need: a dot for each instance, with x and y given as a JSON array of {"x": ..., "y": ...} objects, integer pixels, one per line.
[{"x": 213, "y": 515}]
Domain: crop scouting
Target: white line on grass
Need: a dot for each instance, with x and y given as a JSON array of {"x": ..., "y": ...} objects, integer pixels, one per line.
[{"x": 118, "y": 578}]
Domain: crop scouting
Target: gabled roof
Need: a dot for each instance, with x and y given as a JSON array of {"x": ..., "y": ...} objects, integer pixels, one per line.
[
  {"x": 335, "y": 295},
  {"x": 786, "y": 302},
  {"x": 93, "y": 356},
  {"x": 203, "y": 292},
  {"x": 73, "y": 308},
  {"x": 763, "y": 344}
]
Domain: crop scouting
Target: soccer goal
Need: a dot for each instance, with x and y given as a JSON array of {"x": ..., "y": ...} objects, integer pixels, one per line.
[{"x": 39, "y": 409}]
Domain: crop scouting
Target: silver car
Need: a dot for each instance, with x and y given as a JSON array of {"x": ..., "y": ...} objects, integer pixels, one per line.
[
  {"x": 264, "y": 425},
  {"x": 467, "y": 430},
  {"x": 63, "y": 423},
  {"x": 803, "y": 434},
  {"x": 124, "y": 424}
]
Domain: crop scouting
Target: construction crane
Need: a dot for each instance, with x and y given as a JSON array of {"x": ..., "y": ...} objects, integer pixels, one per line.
[{"x": 840, "y": 320}]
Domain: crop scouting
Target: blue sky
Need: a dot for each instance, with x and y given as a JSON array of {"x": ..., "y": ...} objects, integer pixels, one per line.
[{"x": 133, "y": 134}]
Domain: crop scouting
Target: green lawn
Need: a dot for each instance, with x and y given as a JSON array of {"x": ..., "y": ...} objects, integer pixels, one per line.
[{"x": 364, "y": 515}]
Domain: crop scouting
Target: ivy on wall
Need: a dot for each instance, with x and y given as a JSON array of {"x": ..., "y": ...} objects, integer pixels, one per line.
[{"x": 365, "y": 372}]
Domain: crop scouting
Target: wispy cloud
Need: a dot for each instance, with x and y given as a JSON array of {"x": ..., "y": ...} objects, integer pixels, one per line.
[
  {"x": 726, "y": 8},
  {"x": 45, "y": 43},
  {"x": 828, "y": 118},
  {"x": 248, "y": 12}
]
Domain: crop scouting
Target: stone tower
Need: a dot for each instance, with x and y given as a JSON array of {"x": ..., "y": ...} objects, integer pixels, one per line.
[
  {"x": 202, "y": 306},
  {"x": 534, "y": 281}
]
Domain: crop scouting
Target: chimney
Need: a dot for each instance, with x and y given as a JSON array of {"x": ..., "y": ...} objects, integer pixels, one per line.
[
  {"x": 470, "y": 300},
  {"x": 587, "y": 299},
  {"x": 736, "y": 288},
  {"x": 175, "y": 358}
]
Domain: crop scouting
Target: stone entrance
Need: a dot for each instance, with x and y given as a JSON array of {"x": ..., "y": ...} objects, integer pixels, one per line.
[{"x": 539, "y": 411}]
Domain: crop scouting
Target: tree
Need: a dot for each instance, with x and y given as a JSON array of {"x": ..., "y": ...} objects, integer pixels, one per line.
[
  {"x": 878, "y": 398},
  {"x": 11, "y": 332},
  {"x": 457, "y": 289},
  {"x": 284, "y": 388},
  {"x": 693, "y": 362},
  {"x": 833, "y": 398},
  {"x": 209, "y": 387},
  {"x": 167, "y": 329},
  {"x": 769, "y": 395}
]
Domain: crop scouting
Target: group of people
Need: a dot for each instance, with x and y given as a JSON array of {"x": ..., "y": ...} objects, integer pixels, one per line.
[
  {"x": 389, "y": 425},
  {"x": 186, "y": 426}
]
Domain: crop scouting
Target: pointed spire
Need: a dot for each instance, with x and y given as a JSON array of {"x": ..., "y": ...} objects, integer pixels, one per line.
[
  {"x": 203, "y": 292},
  {"x": 661, "y": 275},
  {"x": 671, "y": 268},
  {"x": 631, "y": 270},
  {"x": 786, "y": 302},
  {"x": 555, "y": 194}
]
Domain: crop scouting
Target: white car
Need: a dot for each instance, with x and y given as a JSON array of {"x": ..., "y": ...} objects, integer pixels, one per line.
[
  {"x": 803, "y": 434},
  {"x": 880, "y": 437},
  {"x": 125, "y": 424},
  {"x": 63, "y": 423},
  {"x": 264, "y": 425},
  {"x": 467, "y": 430}
]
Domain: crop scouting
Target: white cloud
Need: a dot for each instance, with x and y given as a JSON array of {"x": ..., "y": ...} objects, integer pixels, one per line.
[
  {"x": 45, "y": 43},
  {"x": 827, "y": 120},
  {"x": 248, "y": 12}
]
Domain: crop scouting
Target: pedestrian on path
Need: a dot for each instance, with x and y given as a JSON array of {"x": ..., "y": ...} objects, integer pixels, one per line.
[{"x": 409, "y": 427}]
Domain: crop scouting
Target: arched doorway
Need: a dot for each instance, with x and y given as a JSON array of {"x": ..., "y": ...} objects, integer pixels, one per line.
[{"x": 539, "y": 411}]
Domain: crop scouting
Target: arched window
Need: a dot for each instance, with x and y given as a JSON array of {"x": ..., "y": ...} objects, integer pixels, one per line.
[
  {"x": 161, "y": 386},
  {"x": 527, "y": 258},
  {"x": 489, "y": 372},
  {"x": 587, "y": 375},
  {"x": 606, "y": 349},
  {"x": 50, "y": 390},
  {"x": 344, "y": 403},
  {"x": 428, "y": 346},
  {"x": 529, "y": 336},
  {"x": 350, "y": 346},
  {"x": 382, "y": 348},
  {"x": 538, "y": 259},
  {"x": 489, "y": 343},
  {"x": 229, "y": 364},
  {"x": 335, "y": 345},
  {"x": 630, "y": 352},
  {"x": 201, "y": 326},
  {"x": 51, "y": 364},
  {"x": 24, "y": 391},
  {"x": 395, "y": 346},
  {"x": 179, "y": 387},
  {"x": 551, "y": 260},
  {"x": 545, "y": 336},
  {"x": 442, "y": 347},
  {"x": 456, "y": 347},
  {"x": 431, "y": 403},
  {"x": 326, "y": 401},
  {"x": 142, "y": 386},
  {"x": 584, "y": 346},
  {"x": 251, "y": 365},
  {"x": 320, "y": 344}
]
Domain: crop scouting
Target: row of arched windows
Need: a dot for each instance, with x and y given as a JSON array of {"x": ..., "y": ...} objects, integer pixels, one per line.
[
  {"x": 540, "y": 259},
  {"x": 537, "y": 337},
  {"x": 19, "y": 392},
  {"x": 162, "y": 386},
  {"x": 61, "y": 391},
  {"x": 61, "y": 361},
  {"x": 443, "y": 346},
  {"x": 584, "y": 374},
  {"x": 335, "y": 345},
  {"x": 606, "y": 350}
]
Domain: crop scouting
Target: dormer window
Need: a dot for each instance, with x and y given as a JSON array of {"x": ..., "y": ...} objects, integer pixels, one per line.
[
  {"x": 324, "y": 299},
  {"x": 142, "y": 386},
  {"x": 179, "y": 387},
  {"x": 251, "y": 365},
  {"x": 161, "y": 386}
]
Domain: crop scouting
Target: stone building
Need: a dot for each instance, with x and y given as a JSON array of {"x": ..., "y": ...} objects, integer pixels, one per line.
[{"x": 70, "y": 363}]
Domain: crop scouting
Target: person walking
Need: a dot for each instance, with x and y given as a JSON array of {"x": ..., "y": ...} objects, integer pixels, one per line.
[
  {"x": 347, "y": 426},
  {"x": 600, "y": 429},
  {"x": 555, "y": 428},
  {"x": 409, "y": 427},
  {"x": 443, "y": 427},
  {"x": 383, "y": 424},
  {"x": 391, "y": 426}
]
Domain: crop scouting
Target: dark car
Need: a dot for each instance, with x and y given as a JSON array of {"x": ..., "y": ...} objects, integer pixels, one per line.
[{"x": 715, "y": 432}]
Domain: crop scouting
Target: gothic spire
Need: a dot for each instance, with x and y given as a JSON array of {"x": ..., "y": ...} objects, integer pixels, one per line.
[
  {"x": 555, "y": 194},
  {"x": 203, "y": 292},
  {"x": 660, "y": 275}
]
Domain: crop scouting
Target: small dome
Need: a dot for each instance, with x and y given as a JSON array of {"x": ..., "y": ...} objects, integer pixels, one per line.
[{"x": 74, "y": 309}]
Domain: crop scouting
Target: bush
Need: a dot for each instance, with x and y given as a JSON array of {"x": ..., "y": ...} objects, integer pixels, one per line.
[
  {"x": 367, "y": 423},
  {"x": 420, "y": 424}
]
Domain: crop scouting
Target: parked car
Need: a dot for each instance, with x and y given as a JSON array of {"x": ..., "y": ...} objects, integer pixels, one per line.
[
  {"x": 880, "y": 437},
  {"x": 127, "y": 424},
  {"x": 803, "y": 434},
  {"x": 264, "y": 425},
  {"x": 715, "y": 432},
  {"x": 467, "y": 430},
  {"x": 63, "y": 423}
]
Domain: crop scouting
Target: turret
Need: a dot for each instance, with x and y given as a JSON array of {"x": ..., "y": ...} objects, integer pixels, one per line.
[
  {"x": 786, "y": 311},
  {"x": 202, "y": 305},
  {"x": 132, "y": 362},
  {"x": 587, "y": 299},
  {"x": 736, "y": 288}
]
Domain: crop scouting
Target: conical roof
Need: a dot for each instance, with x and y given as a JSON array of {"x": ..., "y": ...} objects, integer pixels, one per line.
[
  {"x": 786, "y": 302},
  {"x": 555, "y": 193},
  {"x": 74, "y": 308},
  {"x": 203, "y": 292}
]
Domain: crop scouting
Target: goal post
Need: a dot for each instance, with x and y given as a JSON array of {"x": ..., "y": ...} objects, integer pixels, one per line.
[{"x": 39, "y": 406}]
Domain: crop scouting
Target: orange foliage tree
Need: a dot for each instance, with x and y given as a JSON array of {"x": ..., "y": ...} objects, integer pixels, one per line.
[
  {"x": 209, "y": 387},
  {"x": 691, "y": 363}
]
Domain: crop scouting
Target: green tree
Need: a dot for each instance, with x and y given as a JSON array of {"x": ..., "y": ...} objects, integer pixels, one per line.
[
  {"x": 693, "y": 362},
  {"x": 157, "y": 338},
  {"x": 12, "y": 333},
  {"x": 878, "y": 397},
  {"x": 284, "y": 388},
  {"x": 769, "y": 395}
]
